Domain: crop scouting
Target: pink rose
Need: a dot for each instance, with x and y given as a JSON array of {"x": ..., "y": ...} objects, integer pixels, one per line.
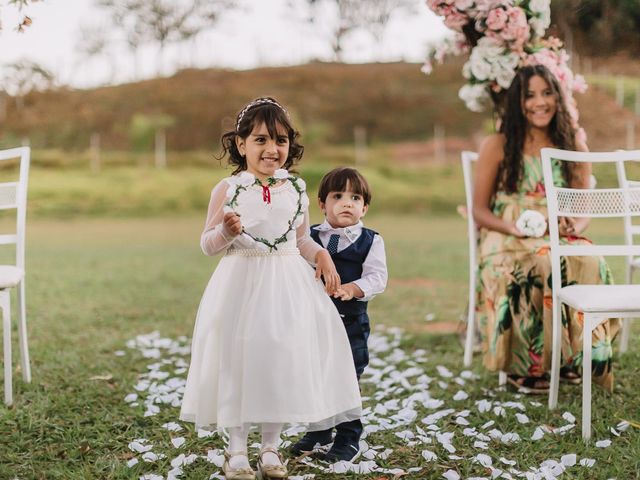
[
  {"x": 456, "y": 20},
  {"x": 497, "y": 19}
]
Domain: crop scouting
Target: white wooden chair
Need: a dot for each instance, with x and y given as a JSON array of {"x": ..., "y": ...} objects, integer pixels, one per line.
[
  {"x": 631, "y": 230},
  {"x": 13, "y": 195},
  {"x": 468, "y": 159},
  {"x": 596, "y": 302}
]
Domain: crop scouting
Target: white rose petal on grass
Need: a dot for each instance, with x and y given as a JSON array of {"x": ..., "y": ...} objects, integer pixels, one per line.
[
  {"x": 603, "y": 443},
  {"x": 532, "y": 223},
  {"x": 444, "y": 371},
  {"x": 429, "y": 456},
  {"x": 451, "y": 475},
  {"x": 538, "y": 434},
  {"x": 569, "y": 460},
  {"x": 132, "y": 462},
  {"x": 569, "y": 417},
  {"x": 137, "y": 446},
  {"x": 205, "y": 433},
  {"x": 481, "y": 445},
  {"x": 462, "y": 421},
  {"x": 132, "y": 397},
  {"x": 623, "y": 426},
  {"x": 587, "y": 462},
  {"x": 461, "y": 395},
  {"x": 172, "y": 426},
  {"x": 484, "y": 460},
  {"x": 149, "y": 457},
  {"x": 522, "y": 418},
  {"x": 506, "y": 461},
  {"x": 119, "y": 353},
  {"x": 178, "y": 441}
]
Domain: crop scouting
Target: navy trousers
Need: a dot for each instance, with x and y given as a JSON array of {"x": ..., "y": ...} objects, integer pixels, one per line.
[{"x": 358, "y": 329}]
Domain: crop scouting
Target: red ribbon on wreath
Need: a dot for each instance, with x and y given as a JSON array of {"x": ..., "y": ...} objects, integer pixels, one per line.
[{"x": 266, "y": 194}]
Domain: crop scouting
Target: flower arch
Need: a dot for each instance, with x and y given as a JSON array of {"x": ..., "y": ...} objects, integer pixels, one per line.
[{"x": 500, "y": 36}]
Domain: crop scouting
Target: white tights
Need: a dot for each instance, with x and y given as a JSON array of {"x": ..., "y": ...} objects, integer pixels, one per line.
[{"x": 238, "y": 443}]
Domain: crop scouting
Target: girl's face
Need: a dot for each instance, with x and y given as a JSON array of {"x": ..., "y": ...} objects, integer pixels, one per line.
[
  {"x": 343, "y": 209},
  {"x": 264, "y": 154},
  {"x": 540, "y": 103}
]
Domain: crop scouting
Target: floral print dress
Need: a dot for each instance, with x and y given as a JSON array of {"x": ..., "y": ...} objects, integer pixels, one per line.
[{"x": 514, "y": 292}]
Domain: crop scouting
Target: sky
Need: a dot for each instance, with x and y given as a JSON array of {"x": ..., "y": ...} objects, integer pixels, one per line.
[{"x": 261, "y": 33}]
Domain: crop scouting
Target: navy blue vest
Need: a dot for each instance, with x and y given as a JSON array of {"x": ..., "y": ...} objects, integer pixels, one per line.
[{"x": 349, "y": 266}]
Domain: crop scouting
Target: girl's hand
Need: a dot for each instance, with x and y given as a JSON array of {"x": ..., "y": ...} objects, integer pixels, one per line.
[
  {"x": 515, "y": 231},
  {"x": 566, "y": 227},
  {"x": 327, "y": 270},
  {"x": 348, "y": 291},
  {"x": 232, "y": 223}
]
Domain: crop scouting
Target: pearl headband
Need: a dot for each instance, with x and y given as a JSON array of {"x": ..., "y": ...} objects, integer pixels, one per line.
[{"x": 255, "y": 103}]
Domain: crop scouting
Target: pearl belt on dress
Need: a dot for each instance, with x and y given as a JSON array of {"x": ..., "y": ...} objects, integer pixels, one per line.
[{"x": 258, "y": 252}]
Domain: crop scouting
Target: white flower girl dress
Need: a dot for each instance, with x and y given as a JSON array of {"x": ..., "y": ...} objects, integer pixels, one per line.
[{"x": 269, "y": 345}]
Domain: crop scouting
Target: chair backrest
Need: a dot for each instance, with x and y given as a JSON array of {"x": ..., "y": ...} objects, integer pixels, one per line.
[
  {"x": 621, "y": 202},
  {"x": 13, "y": 195},
  {"x": 468, "y": 160},
  {"x": 631, "y": 228}
]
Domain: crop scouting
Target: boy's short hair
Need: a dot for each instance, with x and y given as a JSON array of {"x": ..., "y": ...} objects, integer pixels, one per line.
[{"x": 338, "y": 179}]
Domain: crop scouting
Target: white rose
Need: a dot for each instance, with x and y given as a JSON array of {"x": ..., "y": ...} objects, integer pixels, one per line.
[
  {"x": 244, "y": 179},
  {"x": 281, "y": 174},
  {"x": 539, "y": 6},
  {"x": 480, "y": 68},
  {"x": 476, "y": 97},
  {"x": 532, "y": 223}
]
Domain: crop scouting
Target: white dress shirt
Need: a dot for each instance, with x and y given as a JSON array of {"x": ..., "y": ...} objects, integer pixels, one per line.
[{"x": 374, "y": 268}]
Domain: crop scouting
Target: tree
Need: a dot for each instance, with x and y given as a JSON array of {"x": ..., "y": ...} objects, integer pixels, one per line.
[
  {"x": 351, "y": 15},
  {"x": 164, "y": 21},
  {"x": 22, "y": 77},
  {"x": 599, "y": 27},
  {"x": 26, "y": 20}
]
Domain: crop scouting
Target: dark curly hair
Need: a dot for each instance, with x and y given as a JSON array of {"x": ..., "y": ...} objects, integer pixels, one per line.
[
  {"x": 261, "y": 110},
  {"x": 514, "y": 126}
]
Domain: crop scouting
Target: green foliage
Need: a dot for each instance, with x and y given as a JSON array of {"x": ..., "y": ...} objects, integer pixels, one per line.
[{"x": 143, "y": 129}]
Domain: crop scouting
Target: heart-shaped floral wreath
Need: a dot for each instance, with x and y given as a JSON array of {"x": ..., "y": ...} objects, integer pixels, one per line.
[{"x": 244, "y": 180}]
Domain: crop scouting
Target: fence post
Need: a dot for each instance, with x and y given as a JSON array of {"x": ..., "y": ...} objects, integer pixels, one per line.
[
  {"x": 439, "y": 143},
  {"x": 360, "y": 144},
  {"x": 95, "y": 152},
  {"x": 631, "y": 134},
  {"x": 161, "y": 148},
  {"x": 637, "y": 102},
  {"x": 620, "y": 90}
]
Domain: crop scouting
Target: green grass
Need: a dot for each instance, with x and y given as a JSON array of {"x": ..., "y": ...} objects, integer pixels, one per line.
[{"x": 94, "y": 283}]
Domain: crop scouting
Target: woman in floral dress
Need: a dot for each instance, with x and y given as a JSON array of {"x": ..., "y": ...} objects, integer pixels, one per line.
[{"x": 514, "y": 288}]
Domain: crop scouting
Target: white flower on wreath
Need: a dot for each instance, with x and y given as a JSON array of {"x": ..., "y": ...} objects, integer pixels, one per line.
[
  {"x": 532, "y": 223},
  {"x": 541, "y": 18},
  {"x": 476, "y": 97},
  {"x": 242, "y": 179},
  {"x": 281, "y": 174}
]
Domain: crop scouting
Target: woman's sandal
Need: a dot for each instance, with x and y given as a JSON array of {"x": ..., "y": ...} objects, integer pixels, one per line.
[
  {"x": 569, "y": 375},
  {"x": 242, "y": 473},
  {"x": 529, "y": 385},
  {"x": 272, "y": 472}
]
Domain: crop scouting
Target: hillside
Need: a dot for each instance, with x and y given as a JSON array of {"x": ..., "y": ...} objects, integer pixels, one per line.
[{"x": 396, "y": 103}]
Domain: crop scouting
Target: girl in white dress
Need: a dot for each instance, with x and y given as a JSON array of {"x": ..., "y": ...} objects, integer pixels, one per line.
[{"x": 268, "y": 347}]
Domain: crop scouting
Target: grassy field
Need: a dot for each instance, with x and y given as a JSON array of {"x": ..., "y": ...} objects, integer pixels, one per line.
[{"x": 95, "y": 283}]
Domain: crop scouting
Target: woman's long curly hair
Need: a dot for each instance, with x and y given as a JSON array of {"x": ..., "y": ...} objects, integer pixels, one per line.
[
  {"x": 514, "y": 126},
  {"x": 261, "y": 110}
]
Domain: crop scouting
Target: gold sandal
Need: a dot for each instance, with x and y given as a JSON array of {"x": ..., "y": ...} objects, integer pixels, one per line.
[
  {"x": 272, "y": 472},
  {"x": 242, "y": 473}
]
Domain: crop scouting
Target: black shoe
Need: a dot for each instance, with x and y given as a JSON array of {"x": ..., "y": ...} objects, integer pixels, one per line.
[
  {"x": 341, "y": 451},
  {"x": 310, "y": 441}
]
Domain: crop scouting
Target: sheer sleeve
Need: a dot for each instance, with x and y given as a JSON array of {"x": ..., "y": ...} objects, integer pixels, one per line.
[
  {"x": 215, "y": 237},
  {"x": 307, "y": 246}
]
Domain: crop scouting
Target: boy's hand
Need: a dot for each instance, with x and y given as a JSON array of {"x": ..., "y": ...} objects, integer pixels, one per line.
[
  {"x": 232, "y": 223},
  {"x": 348, "y": 291},
  {"x": 327, "y": 270}
]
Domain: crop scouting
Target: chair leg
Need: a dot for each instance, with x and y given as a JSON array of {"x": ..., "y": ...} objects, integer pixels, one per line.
[
  {"x": 624, "y": 338},
  {"x": 586, "y": 375},
  {"x": 22, "y": 330},
  {"x": 471, "y": 324},
  {"x": 556, "y": 353},
  {"x": 6, "y": 327}
]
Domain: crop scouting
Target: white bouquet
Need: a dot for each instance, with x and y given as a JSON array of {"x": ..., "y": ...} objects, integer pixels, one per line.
[{"x": 532, "y": 223}]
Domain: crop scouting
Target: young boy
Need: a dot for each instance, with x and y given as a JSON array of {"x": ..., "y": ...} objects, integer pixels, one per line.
[{"x": 359, "y": 256}]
